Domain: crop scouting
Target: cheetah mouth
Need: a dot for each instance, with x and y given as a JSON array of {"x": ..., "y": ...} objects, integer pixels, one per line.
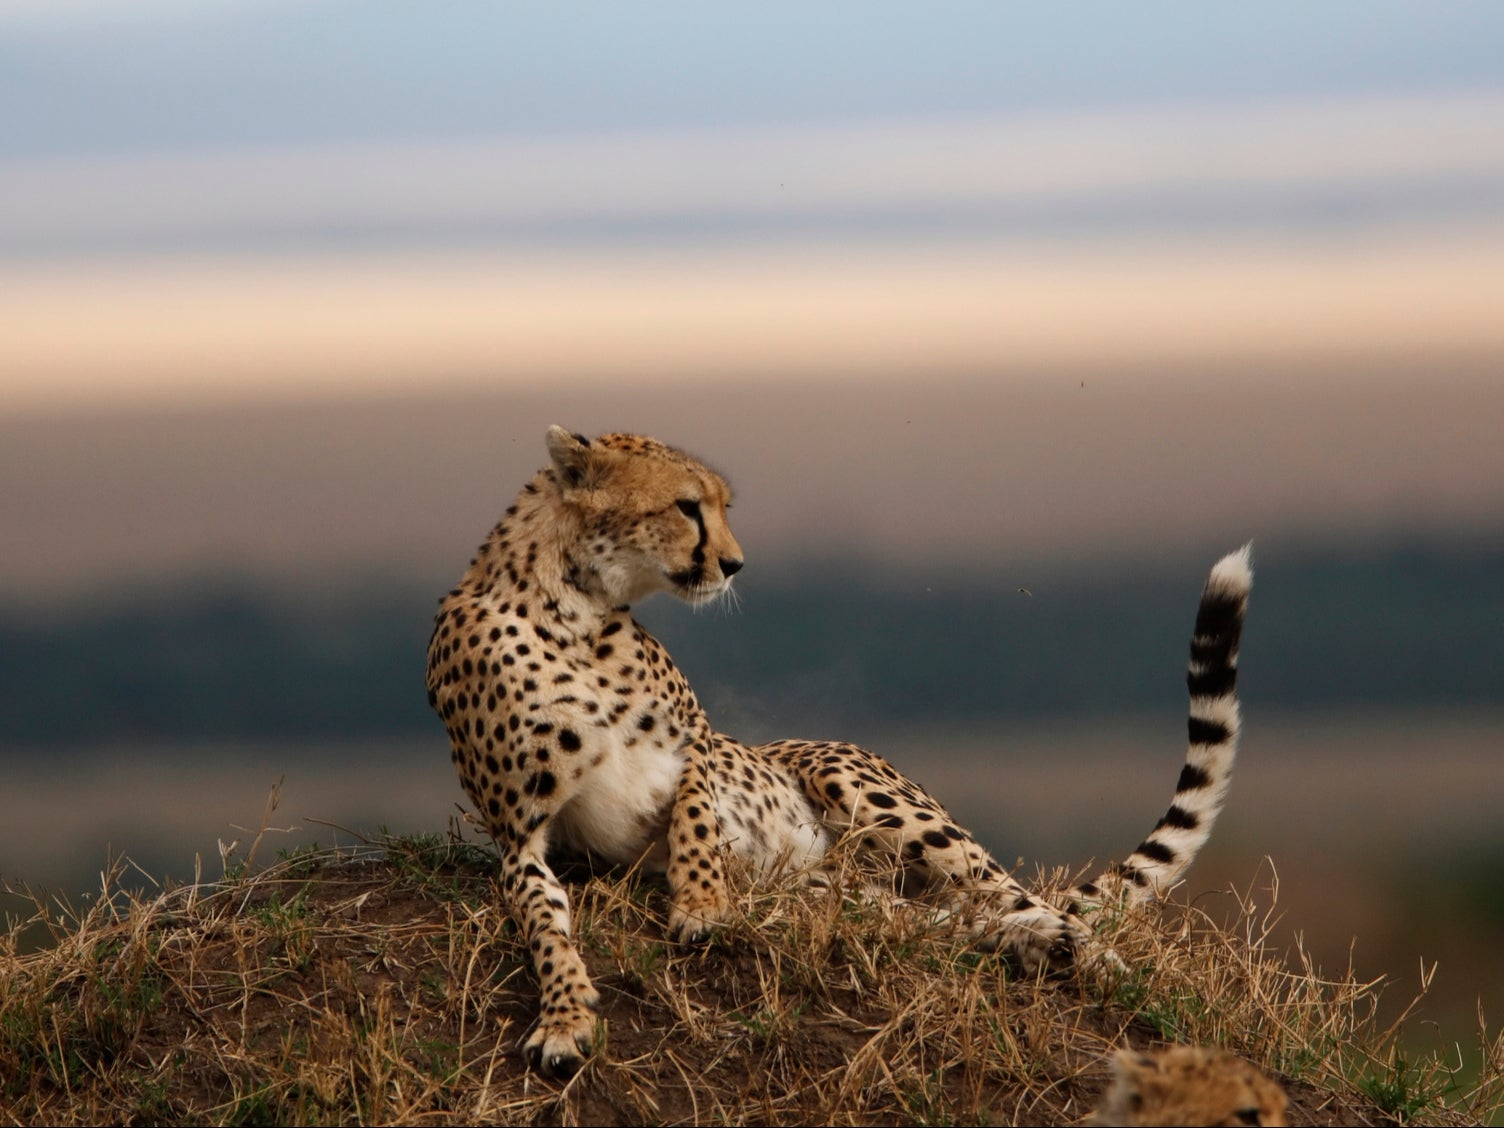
[{"x": 692, "y": 587}]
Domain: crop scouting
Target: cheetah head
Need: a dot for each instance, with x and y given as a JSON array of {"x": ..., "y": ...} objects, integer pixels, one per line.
[
  {"x": 651, "y": 517},
  {"x": 1190, "y": 1085}
]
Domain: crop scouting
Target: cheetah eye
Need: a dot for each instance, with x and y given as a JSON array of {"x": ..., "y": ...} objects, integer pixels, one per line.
[{"x": 689, "y": 508}]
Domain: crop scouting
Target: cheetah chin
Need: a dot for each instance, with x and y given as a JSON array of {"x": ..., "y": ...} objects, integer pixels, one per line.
[{"x": 571, "y": 725}]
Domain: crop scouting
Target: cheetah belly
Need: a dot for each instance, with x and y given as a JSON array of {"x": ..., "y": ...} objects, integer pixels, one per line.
[
  {"x": 791, "y": 836},
  {"x": 621, "y": 807},
  {"x": 763, "y": 813}
]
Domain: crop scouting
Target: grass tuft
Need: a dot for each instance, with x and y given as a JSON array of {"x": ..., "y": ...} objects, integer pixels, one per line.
[{"x": 383, "y": 984}]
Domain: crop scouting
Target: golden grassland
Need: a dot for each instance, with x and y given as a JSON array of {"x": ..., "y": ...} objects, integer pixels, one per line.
[{"x": 384, "y": 984}]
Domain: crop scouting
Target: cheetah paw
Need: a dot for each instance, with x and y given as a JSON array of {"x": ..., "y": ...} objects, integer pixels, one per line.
[
  {"x": 1040, "y": 939},
  {"x": 691, "y": 922},
  {"x": 561, "y": 1042}
]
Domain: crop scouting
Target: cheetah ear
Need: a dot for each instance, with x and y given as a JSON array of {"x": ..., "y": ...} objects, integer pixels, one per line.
[
  {"x": 1133, "y": 1069},
  {"x": 1140, "y": 1075},
  {"x": 572, "y": 456}
]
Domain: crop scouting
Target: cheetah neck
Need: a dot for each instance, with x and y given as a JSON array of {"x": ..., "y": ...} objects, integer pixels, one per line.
[{"x": 531, "y": 560}]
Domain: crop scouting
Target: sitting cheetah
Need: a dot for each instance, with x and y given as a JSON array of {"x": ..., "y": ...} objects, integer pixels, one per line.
[
  {"x": 572, "y": 727},
  {"x": 1189, "y": 1085}
]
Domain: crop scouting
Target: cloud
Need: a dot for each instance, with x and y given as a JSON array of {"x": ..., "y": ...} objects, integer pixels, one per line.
[
  {"x": 232, "y": 329},
  {"x": 1137, "y": 242},
  {"x": 1055, "y": 173}
]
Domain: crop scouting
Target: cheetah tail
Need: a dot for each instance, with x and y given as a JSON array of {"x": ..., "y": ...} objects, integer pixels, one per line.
[{"x": 1167, "y": 852}]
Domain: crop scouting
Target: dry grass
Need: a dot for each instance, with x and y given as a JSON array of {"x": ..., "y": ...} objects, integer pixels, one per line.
[{"x": 383, "y": 985}]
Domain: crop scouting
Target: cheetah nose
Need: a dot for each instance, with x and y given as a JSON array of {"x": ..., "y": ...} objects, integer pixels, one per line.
[{"x": 730, "y": 568}]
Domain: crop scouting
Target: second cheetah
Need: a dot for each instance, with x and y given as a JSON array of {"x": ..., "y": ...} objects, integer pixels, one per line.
[{"x": 1189, "y": 1085}]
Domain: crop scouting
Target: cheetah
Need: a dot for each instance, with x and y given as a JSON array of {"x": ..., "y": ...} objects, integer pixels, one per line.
[
  {"x": 572, "y": 728},
  {"x": 1189, "y": 1085}
]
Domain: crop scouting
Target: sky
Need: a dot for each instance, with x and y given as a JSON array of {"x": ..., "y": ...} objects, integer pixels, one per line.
[
  {"x": 252, "y": 219},
  {"x": 219, "y": 201},
  {"x": 143, "y": 76}
]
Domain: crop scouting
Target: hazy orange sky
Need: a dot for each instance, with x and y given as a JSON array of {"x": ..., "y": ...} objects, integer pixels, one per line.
[
  {"x": 1126, "y": 238},
  {"x": 225, "y": 332},
  {"x": 928, "y": 290}
]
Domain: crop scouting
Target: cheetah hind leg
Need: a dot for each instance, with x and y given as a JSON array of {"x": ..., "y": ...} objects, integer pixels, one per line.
[
  {"x": 1035, "y": 935},
  {"x": 893, "y": 819},
  {"x": 1042, "y": 939}
]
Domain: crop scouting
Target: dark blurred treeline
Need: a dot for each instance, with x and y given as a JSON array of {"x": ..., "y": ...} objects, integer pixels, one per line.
[{"x": 819, "y": 650}]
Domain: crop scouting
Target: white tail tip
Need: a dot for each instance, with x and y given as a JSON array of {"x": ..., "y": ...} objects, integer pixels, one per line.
[{"x": 1234, "y": 571}]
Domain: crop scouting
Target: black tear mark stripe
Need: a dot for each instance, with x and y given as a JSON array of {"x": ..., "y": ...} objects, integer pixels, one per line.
[
  {"x": 692, "y": 575},
  {"x": 698, "y": 556}
]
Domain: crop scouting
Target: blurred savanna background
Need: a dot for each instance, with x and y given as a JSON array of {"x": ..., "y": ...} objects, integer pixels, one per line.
[{"x": 1004, "y": 322}]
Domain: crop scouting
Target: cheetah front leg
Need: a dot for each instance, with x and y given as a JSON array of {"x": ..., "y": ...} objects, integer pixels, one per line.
[
  {"x": 565, "y": 1034},
  {"x": 696, "y": 878}
]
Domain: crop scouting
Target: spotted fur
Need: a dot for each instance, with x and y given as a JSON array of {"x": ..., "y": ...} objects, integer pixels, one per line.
[
  {"x": 1189, "y": 1085},
  {"x": 571, "y": 726}
]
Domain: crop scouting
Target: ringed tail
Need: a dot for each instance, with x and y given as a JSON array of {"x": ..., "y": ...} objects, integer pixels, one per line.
[{"x": 1213, "y": 726}]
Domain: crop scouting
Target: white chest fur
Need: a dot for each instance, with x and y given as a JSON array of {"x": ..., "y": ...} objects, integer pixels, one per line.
[{"x": 621, "y": 805}]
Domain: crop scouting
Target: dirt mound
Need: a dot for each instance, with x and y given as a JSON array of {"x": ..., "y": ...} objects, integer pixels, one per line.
[{"x": 384, "y": 985}]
